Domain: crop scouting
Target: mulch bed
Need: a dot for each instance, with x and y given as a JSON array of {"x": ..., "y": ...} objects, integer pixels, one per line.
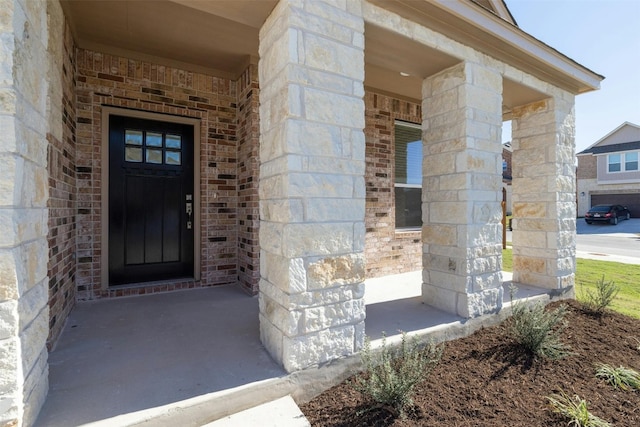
[{"x": 484, "y": 380}]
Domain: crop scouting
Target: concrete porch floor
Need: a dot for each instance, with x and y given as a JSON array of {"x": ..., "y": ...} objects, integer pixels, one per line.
[{"x": 196, "y": 355}]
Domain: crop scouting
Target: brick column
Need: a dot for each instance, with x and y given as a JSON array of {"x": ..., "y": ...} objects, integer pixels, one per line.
[
  {"x": 24, "y": 315},
  {"x": 312, "y": 196},
  {"x": 544, "y": 196},
  {"x": 461, "y": 190}
]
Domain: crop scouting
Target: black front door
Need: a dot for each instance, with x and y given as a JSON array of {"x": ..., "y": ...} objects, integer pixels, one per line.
[{"x": 151, "y": 203}]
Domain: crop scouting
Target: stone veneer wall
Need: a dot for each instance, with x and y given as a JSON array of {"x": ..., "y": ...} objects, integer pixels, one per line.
[
  {"x": 387, "y": 251},
  {"x": 248, "y": 169},
  {"x": 24, "y": 116},
  {"x": 117, "y": 81},
  {"x": 62, "y": 176}
]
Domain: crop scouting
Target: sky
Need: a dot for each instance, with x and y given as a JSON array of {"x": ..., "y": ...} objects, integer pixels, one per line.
[{"x": 602, "y": 35}]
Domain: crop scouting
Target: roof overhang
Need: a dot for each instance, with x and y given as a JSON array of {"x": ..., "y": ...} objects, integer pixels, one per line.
[
  {"x": 473, "y": 25},
  {"x": 221, "y": 37}
]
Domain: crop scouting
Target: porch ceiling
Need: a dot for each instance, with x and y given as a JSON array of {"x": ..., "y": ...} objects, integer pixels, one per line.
[
  {"x": 221, "y": 37},
  {"x": 216, "y": 37}
]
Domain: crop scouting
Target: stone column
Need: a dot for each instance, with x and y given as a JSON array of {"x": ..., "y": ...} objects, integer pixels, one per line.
[
  {"x": 24, "y": 315},
  {"x": 461, "y": 190},
  {"x": 312, "y": 194},
  {"x": 544, "y": 195}
]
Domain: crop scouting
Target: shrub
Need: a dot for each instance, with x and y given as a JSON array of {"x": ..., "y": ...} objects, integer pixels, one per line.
[
  {"x": 621, "y": 377},
  {"x": 576, "y": 410},
  {"x": 390, "y": 377},
  {"x": 538, "y": 331},
  {"x": 600, "y": 299}
]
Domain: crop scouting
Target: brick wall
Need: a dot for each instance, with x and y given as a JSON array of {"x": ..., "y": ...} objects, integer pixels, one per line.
[
  {"x": 116, "y": 81},
  {"x": 386, "y": 251},
  {"x": 507, "y": 173},
  {"x": 248, "y": 170},
  {"x": 62, "y": 196},
  {"x": 587, "y": 167}
]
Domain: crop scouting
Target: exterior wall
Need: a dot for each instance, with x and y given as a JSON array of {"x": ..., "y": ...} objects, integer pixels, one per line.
[
  {"x": 386, "y": 251},
  {"x": 605, "y": 177},
  {"x": 624, "y": 134},
  {"x": 587, "y": 167},
  {"x": 62, "y": 175},
  {"x": 117, "y": 81},
  {"x": 591, "y": 186},
  {"x": 24, "y": 115},
  {"x": 248, "y": 169}
]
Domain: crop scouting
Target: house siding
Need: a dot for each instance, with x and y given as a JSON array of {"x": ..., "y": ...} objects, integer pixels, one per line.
[
  {"x": 107, "y": 80},
  {"x": 604, "y": 175},
  {"x": 387, "y": 251}
]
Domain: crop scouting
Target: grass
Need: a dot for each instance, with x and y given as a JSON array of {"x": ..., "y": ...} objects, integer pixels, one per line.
[{"x": 589, "y": 272}]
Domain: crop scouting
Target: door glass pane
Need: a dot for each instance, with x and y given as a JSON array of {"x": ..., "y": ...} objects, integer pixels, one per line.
[
  {"x": 133, "y": 154},
  {"x": 154, "y": 156},
  {"x": 172, "y": 157},
  {"x": 154, "y": 139},
  {"x": 174, "y": 141},
  {"x": 133, "y": 137}
]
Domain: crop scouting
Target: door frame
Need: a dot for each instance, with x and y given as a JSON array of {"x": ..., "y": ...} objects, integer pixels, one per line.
[{"x": 108, "y": 111}]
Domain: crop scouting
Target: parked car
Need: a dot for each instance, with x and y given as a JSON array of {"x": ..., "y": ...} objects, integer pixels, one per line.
[{"x": 608, "y": 213}]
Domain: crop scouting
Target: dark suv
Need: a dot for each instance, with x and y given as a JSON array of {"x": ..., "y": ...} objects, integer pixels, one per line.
[{"x": 608, "y": 213}]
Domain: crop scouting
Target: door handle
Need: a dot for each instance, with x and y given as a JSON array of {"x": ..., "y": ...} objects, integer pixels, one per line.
[{"x": 189, "y": 210}]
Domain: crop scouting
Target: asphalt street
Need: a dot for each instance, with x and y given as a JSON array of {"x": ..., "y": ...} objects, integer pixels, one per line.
[{"x": 618, "y": 243}]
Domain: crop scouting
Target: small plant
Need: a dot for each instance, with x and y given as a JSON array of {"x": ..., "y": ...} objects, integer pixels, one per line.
[
  {"x": 621, "y": 377},
  {"x": 538, "y": 331},
  {"x": 390, "y": 377},
  {"x": 602, "y": 297},
  {"x": 576, "y": 410}
]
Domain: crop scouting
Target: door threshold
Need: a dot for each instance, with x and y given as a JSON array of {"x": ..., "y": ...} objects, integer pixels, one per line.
[{"x": 146, "y": 288}]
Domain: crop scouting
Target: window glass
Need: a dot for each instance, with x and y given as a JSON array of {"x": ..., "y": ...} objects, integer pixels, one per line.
[
  {"x": 154, "y": 139},
  {"x": 614, "y": 162},
  {"x": 154, "y": 156},
  {"x": 173, "y": 141},
  {"x": 631, "y": 161},
  {"x": 133, "y": 154},
  {"x": 133, "y": 137},
  {"x": 172, "y": 157},
  {"x": 408, "y": 175}
]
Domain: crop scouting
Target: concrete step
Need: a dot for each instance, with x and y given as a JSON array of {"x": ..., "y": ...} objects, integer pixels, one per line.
[{"x": 282, "y": 412}]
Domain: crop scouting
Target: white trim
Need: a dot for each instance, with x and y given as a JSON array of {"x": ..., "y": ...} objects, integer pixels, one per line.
[
  {"x": 620, "y": 181},
  {"x": 104, "y": 205},
  {"x": 526, "y": 43},
  {"x": 623, "y": 161},
  {"x": 398, "y": 122}
]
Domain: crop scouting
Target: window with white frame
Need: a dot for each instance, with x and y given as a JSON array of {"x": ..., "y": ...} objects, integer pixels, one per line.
[
  {"x": 622, "y": 162},
  {"x": 631, "y": 161},
  {"x": 408, "y": 175}
]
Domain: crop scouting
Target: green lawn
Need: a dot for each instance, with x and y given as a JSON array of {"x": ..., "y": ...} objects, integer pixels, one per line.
[{"x": 589, "y": 272}]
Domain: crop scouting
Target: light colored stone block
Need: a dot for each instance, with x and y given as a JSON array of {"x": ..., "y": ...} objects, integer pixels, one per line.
[{"x": 335, "y": 271}]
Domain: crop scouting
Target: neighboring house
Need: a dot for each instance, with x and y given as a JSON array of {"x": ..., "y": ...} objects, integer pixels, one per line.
[
  {"x": 608, "y": 171},
  {"x": 291, "y": 147}
]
